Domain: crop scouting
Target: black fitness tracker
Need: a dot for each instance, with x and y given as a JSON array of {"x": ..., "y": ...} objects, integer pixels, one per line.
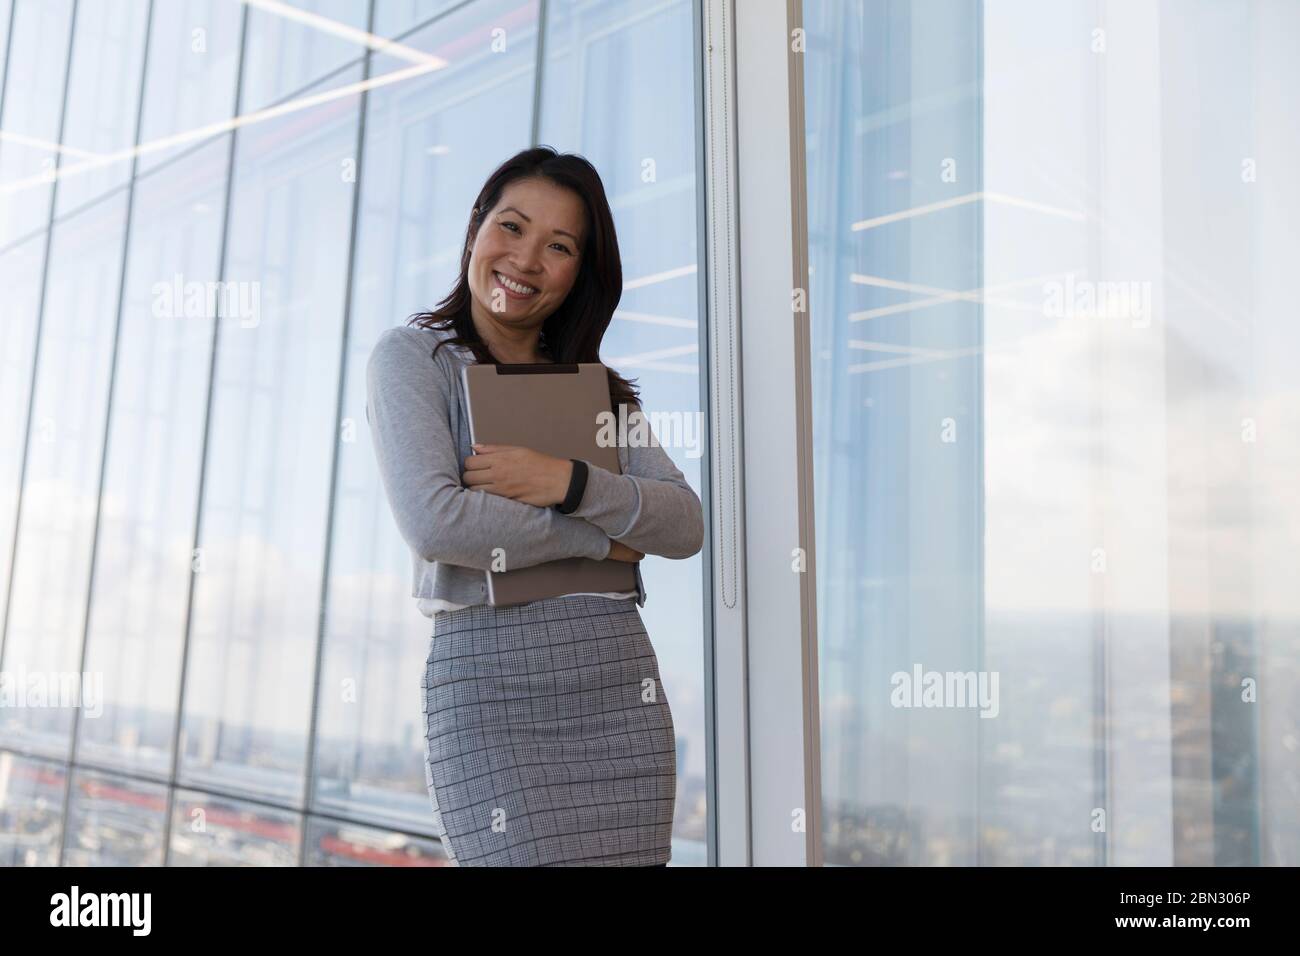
[{"x": 577, "y": 485}]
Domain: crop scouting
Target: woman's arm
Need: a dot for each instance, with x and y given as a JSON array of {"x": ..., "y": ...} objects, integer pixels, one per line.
[
  {"x": 651, "y": 508},
  {"x": 407, "y": 407}
]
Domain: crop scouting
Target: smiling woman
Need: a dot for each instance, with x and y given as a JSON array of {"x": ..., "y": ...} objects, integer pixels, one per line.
[
  {"x": 540, "y": 272},
  {"x": 549, "y": 739}
]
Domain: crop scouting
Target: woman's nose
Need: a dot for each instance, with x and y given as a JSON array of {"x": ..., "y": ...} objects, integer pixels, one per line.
[{"x": 527, "y": 258}]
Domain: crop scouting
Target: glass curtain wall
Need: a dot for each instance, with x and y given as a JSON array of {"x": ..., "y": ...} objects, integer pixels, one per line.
[
  {"x": 1055, "y": 430},
  {"x": 190, "y": 514}
]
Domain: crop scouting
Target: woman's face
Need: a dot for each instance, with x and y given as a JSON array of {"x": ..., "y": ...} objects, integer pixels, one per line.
[{"x": 533, "y": 239}]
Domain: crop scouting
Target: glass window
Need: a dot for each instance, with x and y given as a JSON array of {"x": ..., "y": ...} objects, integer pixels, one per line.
[
  {"x": 426, "y": 155},
  {"x": 194, "y": 509},
  {"x": 143, "y": 559},
  {"x": 31, "y": 810},
  {"x": 143, "y": 554},
  {"x": 330, "y": 843},
  {"x": 395, "y": 17},
  {"x": 103, "y": 99},
  {"x": 33, "y": 107},
  {"x": 209, "y": 830},
  {"x": 20, "y": 277},
  {"x": 287, "y": 52},
  {"x": 1055, "y": 431},
  {"x": 640, "y": 134},
  {"x": 892, "y": 94},
  {"x": 55, "y": 527},
  {"x": 114, "y": 821},
  {"x": 32, "y": 103},
  {"x": 6, "y": 12},
  {"x": 193, "y": 59},
  {"x": 51, "y": 573},
  {"x": 264, "y": 511}
]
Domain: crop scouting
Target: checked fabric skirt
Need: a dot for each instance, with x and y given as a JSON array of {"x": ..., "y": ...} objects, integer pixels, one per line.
[{"x": 548, "y": 737}]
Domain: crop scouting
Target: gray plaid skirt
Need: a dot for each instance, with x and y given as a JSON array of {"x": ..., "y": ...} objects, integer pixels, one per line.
[{"x": 548, "y": 737}]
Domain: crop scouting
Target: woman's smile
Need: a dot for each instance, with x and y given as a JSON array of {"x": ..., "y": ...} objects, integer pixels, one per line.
[{"x": 512, "y": 287}]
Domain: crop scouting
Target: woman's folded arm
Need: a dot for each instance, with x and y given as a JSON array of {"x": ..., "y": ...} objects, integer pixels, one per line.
[
  {"x": 651, "y": 508},
  {"x": 408, "y": 410}
]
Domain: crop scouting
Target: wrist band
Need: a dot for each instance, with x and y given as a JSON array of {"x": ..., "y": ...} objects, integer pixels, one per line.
[{"x": 577, "y": 485}]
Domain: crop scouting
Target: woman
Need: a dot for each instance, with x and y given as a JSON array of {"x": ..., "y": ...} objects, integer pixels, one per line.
[{"x": 548, "y": 738}]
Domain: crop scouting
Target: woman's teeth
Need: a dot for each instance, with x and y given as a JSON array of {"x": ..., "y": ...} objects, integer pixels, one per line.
[{"x": 514, "y": 286}]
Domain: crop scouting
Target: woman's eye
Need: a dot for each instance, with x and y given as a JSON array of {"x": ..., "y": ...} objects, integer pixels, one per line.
[{"x": 557, "y": 245}]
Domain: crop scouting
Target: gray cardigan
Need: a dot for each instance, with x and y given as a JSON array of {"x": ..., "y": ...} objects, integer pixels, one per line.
[{"x": 421, "y": 439}]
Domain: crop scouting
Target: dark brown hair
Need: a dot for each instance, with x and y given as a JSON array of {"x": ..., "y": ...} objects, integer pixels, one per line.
[{"x": 573, "y": 332}]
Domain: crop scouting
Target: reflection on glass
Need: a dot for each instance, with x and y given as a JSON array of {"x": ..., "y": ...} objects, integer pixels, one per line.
[
  {"x": 151, "y": 483},
  {"x": 6, "y": 11},
  {"x": 257, "y": 587},
  {"x": 892, "y": 92},
  {"x": 1055, "y": 431},
  {"x": 37, "y": 46},
  {"x": 55, "y": 527},
  {"x": 57, "y": 521},
  {"x": 31, "y": 810},
  {"x": 395, "y": 17},
  {"x": 20, "y": 277},
  {"x": 33, "y": 105},
  {"x": 640, "y": 134},
  {"x": 285, "y": 54},
  {"x": 425, "y": 157},
  {"x": 252, "y": 463},
  {"x": 103, "y": 96},
  {"x": 217, "y": 831},
  {"x": 193, "y": 56},
  {"x": 330, "y": 843},
  {"x": 113, "y": 821}
]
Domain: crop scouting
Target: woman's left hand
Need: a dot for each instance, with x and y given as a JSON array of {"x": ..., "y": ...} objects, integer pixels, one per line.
[{"x": 513, "y": 471}]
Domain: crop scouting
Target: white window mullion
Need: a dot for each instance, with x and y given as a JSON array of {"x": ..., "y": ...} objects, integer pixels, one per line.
[{"x": 765, "y": 635}]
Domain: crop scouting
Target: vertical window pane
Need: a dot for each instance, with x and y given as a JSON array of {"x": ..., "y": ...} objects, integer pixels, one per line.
[
  {"x": 193, "y": 57},
  {"x": 892, "y": 102},
  {"x": 33, "y": 106},
  {"x": 393, "y": 17},
  {"x": 426, "y": 155},
  {"x": 287, "y": 52},
  {"x": 155, "y": 433},
  {"x": 618, "y": 87},
  {"x": 257, "y": 590},
  {"x": 29, "y": 117},
  {"x": 1053, "y": 424},
  {"x": 60, "y": 489},
  {"x": 66, "y": 427},
  {"x": 241, "y": 443},
  {"x": 103, "y": 97},
  {"x": 155, "y": 443},
  {"x": 6, "y": 11},
  {"x": 20, "y": 277}
]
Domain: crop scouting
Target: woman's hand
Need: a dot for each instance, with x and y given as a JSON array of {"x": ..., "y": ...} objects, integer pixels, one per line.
[
  {"x": 513, "y": 471},
  {"x": 618, "y": 551}
]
